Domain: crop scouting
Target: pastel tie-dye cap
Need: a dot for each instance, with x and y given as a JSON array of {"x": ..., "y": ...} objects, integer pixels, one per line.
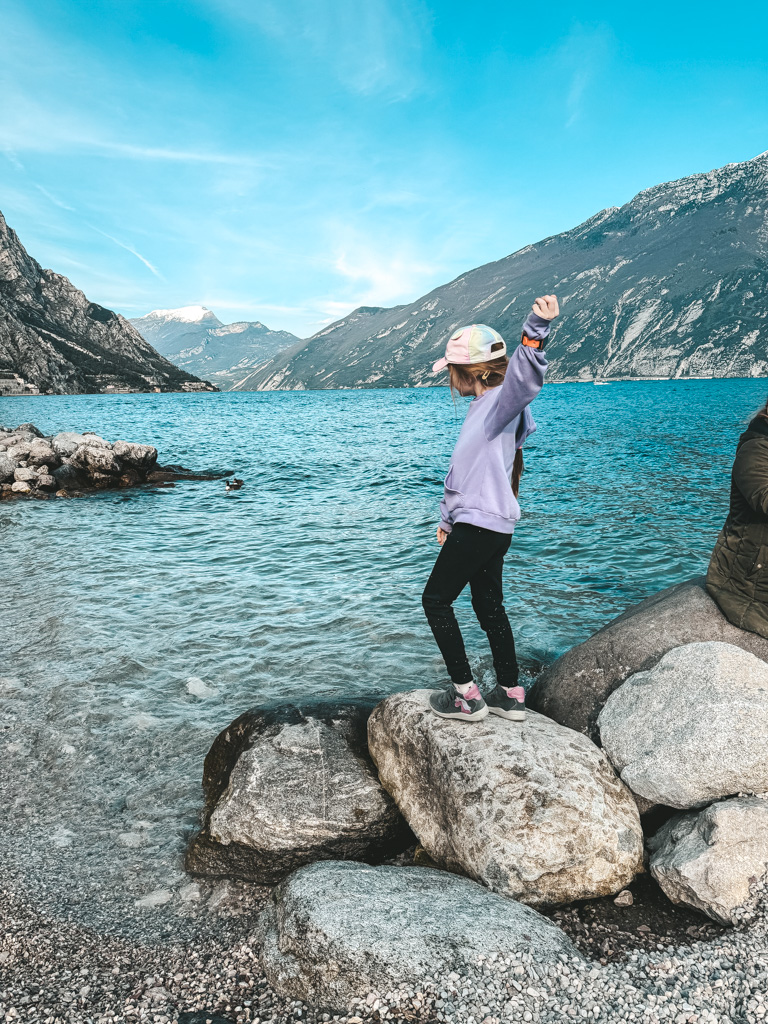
[{"x": 471, "y": 345}]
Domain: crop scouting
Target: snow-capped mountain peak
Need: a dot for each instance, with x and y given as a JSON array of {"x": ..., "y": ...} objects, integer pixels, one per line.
[{"x": 186, "y": 315}]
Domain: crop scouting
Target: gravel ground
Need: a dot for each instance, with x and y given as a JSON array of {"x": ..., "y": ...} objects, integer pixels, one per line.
[{"x": 648, "y": 962}]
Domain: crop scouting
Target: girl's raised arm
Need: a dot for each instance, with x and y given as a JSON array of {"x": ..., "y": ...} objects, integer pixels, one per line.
[{"x": 525, "y": 373}]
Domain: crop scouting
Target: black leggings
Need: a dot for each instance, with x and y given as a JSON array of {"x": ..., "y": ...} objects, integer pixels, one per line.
[{"x": 474, "y": 555}]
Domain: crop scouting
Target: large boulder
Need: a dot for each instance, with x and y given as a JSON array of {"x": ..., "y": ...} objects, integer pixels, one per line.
[
  {"x": 715, "y": 860},
  {"x": 692, "y": 729},
  {"x": 67, "y": 476},
  {"x": 335, "y": 932},
  {"x": 29, "y": 428},
  {"x": 533, "y": 811},
  {"x": 137, "y": 456},
  {"x": 573, "y": 689},
  {"x": 289, "y": 786},
  {"x": 42, "y": 454},
  {"x": 96, "y": 459},
  {"x": 67, "y": 442},
  {"x": 19, "y": 450},
  {"x": 19, "y": 437}
]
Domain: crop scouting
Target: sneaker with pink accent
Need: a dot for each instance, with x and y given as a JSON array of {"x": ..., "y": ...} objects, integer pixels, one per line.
[
  {"x": 449, "y": 703},
  {"x": 507, "y": 702}
]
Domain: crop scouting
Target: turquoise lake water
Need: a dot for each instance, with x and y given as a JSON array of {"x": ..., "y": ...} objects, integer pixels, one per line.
[{"x": 136, "y": 625}]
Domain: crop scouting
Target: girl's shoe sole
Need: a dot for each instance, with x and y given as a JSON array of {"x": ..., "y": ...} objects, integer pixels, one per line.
[
  {"x": 476, "y": 716},
  {"x": 511, "y": 716}
]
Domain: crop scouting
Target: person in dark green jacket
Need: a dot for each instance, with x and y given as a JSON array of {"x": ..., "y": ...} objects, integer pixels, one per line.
[{"x": 737, "y": 577}]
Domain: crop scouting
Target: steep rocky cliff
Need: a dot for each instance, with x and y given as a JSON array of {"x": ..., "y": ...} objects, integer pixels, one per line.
[
  {"x": 194, "y": 338},
  {"x": 58, "y": 342},
  {"x": 672, "y": 284}
]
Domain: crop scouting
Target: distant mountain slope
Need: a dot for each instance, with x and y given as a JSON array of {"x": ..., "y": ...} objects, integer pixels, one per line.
[
  {"x": 57, "y": 341},
  {"x": 194, "y": 338},
  {"x": 674, "y": 283}
]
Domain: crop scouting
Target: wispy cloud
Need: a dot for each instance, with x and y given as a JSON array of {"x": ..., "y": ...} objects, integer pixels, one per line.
[
  {"x": 573, "y": 101},
  {"x": 133, "y": 252},
  {"x": 386, "y": 268},
  {"x": 585, "y": 49},
  {"x": 371, "y": 47},
  {"x": 54, "y": 200},
  {"x": 11, "y": 157}
]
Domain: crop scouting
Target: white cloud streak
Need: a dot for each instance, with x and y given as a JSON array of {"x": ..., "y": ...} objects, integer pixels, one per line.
[{"x": 133, "y": 252}]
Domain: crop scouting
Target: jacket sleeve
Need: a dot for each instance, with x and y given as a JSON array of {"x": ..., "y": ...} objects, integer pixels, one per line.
[
  {"x": 445, "y": 519},
  {"x": 750, "y": 473},
  {"x": 524, "y": 378}
]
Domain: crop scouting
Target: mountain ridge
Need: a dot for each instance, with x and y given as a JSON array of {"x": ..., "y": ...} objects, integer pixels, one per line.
[
  {"x": 672, "y": 283},
  {"x": 194, "y": 338},
  {"x": 54, "y": 340}
]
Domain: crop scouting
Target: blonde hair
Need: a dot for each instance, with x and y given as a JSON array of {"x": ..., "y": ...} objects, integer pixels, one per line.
[{"x": 490, "y": 374}]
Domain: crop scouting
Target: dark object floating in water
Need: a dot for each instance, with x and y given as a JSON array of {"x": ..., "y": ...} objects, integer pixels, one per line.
[{"x": 233, "y": 485}]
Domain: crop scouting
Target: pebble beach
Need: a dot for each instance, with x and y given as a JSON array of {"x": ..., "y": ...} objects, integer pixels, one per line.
[{"x": 55, "y": 972}]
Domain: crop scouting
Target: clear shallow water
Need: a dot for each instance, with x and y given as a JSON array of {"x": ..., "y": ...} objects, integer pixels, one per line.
[{"x": 136, "y": 625}]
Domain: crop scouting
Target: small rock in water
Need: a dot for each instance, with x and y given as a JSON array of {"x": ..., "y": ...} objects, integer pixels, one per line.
[
  {"x": 624, "y": 899},
  {"x": 158, "y": 898},
  {"x": 190, "y": 892},
  {"x": 131, "y": 839},
  {"x": 199, "y": 688},
  {"x": 145, "y": 721},
  {"x": 62, "y": 837}
]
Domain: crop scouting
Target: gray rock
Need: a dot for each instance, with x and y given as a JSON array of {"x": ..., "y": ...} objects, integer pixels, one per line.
[
  {"x": 27, "y": 475},
  {"x": 138, "y": 456},
  {"x": 715, "y": 860},
  {"x": 42, "y": 454},
  {"x": 291, "y": 785},
  {"x": 93, "y": 439},
  {"x": 29, "y": 428},
  {"x": 21, "y": 487},
  {"x": 335, "y": 932},
  {"x": 67, "y": 476},
  {"x": 533, "y": 811},
  {"x": 47, "y": 482},
  {"x": 573, "y": 689},
  {"x": 19, "y": 450},
  {"x": 692, "y": 729},
  {"x": 96, "y": 459},
  {"x": 67, "y": 442},
  {"x": 7, "y": 468},
  {"x": 19, "y": 437}
]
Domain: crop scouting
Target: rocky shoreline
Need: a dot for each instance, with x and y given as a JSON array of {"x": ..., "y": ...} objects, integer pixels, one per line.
[
  {"x": 554, "y": 877},
  {"x": 71, "y": 464}
]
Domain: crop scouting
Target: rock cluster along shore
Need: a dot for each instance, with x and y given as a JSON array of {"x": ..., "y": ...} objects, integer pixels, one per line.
[
  {"x": 519, "y": 818},
  {"x": 68, "y": 464}
]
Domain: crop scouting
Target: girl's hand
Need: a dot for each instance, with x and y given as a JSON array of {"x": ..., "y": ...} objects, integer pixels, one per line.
[
  {"x": 442, "y": 536},
  {"x": 546, "y": 307}
]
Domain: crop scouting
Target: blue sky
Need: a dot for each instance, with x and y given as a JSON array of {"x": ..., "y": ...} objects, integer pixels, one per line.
[{"x": 288, "y": 160}]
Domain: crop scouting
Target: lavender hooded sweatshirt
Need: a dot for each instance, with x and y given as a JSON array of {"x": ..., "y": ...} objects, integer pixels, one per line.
[{"x": 477, "y": 487}]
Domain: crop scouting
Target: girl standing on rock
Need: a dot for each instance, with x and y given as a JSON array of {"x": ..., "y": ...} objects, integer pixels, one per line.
[{"x": 479, "y": 509}]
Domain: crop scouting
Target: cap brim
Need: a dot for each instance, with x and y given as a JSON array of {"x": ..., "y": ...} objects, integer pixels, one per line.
[{"x": 439, "y": 365}]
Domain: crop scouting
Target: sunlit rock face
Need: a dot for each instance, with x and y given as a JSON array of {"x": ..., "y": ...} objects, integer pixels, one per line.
[
  {"x": 58, "y": 342},
  {"x": 672, "y": 284}
]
